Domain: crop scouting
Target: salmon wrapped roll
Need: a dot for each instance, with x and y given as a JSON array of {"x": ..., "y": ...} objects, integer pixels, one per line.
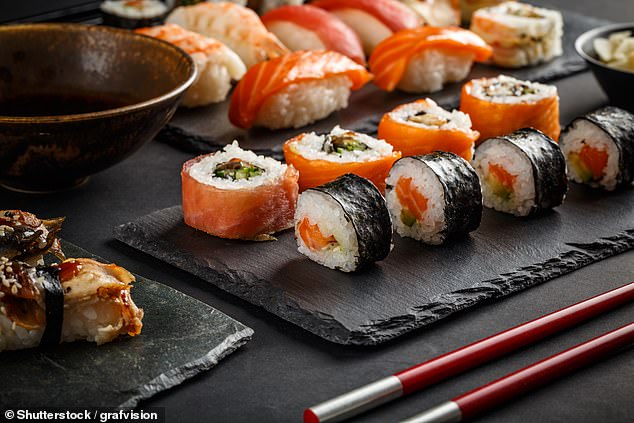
[
  {"x": 423, "y": 127},
  {"x": 324, "y": 158},
  {"x": 295, "y": 90},
  {"x": 424, "y": 59},
  {"x": 500, "y": 105},
  {"x": 237, "y": 194},
  {"x": 78, "y": 299}
]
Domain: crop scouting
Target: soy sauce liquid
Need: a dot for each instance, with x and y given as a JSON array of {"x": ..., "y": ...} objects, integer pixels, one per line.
[{"x": 61, "y": 104}]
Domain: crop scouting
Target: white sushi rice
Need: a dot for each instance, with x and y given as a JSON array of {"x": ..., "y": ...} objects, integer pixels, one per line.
[
  {"x": 305, "y": 102},
  {"x": 142, "y": 9},
  {"x": 456, "y": 120},
  {"x": 503, "y": 154},
  {"x": 310, "y": 146},
  {"x": 322, "y": 210},
  {"x": 203, "y": 171},
  {"x": 583, "y": 133},
  {"x": 502, "y": 89},
  {"x": 430, "y": 69},
  {"x": 525, "y": 35},
  {"x": 431, "y": 228}
]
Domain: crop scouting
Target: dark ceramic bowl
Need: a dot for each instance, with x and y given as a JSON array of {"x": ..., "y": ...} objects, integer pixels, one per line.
[
  {"x": 616, "y": 83},
  {"x": 76, "y": 99}
]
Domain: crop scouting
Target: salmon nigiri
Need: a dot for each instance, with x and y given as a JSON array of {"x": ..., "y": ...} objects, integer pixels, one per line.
[
  {"x": 295, "y": 90},
  {"x": 423, "y": 59}
]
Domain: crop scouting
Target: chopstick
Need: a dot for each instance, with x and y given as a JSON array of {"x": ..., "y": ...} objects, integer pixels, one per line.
[
  {"x": 458, "y": 361},
  {"x": 473, "y": 403}
]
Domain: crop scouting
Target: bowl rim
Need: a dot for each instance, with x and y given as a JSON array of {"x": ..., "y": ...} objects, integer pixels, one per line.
[
  {"x": 193, "y": 73},
  {"x": 592, "y": 34}
]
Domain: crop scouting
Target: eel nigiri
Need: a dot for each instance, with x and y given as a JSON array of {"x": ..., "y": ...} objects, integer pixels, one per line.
[
  {"x": 236, "y": 26},
  {"x": 423, "y": 59},
  {"x": 311, "y": 28},
  {"x": 26, "y": 238},
  {"x": 372, "y": 20},
  {"x": 78, "y": 299},
  {"x": 217, "y": 64},
  {"x": 295, "y": 90}
]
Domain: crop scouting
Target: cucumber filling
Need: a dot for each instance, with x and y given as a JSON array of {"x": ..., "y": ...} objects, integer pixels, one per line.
[{"x": 236, "y": 169}]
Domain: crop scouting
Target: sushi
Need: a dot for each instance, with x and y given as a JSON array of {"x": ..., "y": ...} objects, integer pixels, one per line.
[
  {"x": 503, "y": 104},
  {"x": 423, "y": 59},
  {"x": 468, "y": 7},
  {"x": 24, "y": 237},
  {"x": 323, "y": 158},
  {"x": 521, "y": 173},
  {"x": 422, "y": 127},
  {"x": 295, "y": 90},
  {"x": 599, "y": 148},
  {"x": 236, "y": 26},
  {"x": 217, "y": 64},
  {"x": 78, "y": 299},
  {"x": 372, "y": 20},
  {"x": 131, "y": 14},
  {"x": 436, "y": 12},
  {"x": 310, "y": 28},
  {"x": 344, "y": 224},
  {"x": 434, "y": 198},
  {"x": 520, "y": 34},
  {"x": 237, "y": 194},
  {"x": 265, "y": 6}
]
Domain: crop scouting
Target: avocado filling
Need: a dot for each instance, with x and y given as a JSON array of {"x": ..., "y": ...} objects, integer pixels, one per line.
[
  {"x": 236, "y": 169},
  {"x": 407, "y": 217},
  {"x": 337, "y": 144}
]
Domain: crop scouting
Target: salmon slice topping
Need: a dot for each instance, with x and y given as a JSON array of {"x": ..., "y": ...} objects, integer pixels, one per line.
[
  {"x": 502, "y": 182},
  {"x": 413, "y": 203},
  {"x": 313, "y": 238}
]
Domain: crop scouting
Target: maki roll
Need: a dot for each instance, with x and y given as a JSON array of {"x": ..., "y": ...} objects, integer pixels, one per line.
[
  {"x": 433, "y": 198},
  {"x": 422, "y": 127},
  {"x": 217, "y": 64},
  {"x": 599, "y": 148},
  {"x": 311, "y": 28},
  {"x": 78, "y": 299},
  {"x": 503, "y": 104},
  {"x": 521, "y": 173},
  {"x": 344, "y": 224},
  {"x": 26, "y": 238},
  {"x": 131, "y": 14},
  {"x": 424, "y": 59},
  {"x": 295, "y": 90},
  {"x": 323, "y": 158},
  {"x": 520, "y": 34},
  {"x": 239, "y": 195}
]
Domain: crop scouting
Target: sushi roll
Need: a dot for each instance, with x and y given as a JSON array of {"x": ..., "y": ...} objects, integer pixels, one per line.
[
  {"x": 323, "y": 158},
  {"x": 372, "y": 20},
  {"x": 422, "y": 127},
  {"x": 238, "y": 27},
  {"x": 436, "y": 12},
  {"x": 131, "y": 14},
  {"x": 521, "y": 173},
  {"x": 78, "y": 299},
  {"x": 520, "y": 34},
  {"x": 311, "y": 28},
  {"x": 344, "y": 224},
  {"x": 422, "y": 60},
  {"x": 26, "y": 238},
  {"x": 503, "y": 104},
  {"x": 434, "y": 198},
  {"x": 217, "y": 65},
  {"x": 295, "y": 90},
  {"x": 599, "y": 148},
  {"x": 237, "y": 194}
]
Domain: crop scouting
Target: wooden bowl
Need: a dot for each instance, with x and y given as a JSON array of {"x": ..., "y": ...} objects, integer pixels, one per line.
[{"x": 76, "y": 99}]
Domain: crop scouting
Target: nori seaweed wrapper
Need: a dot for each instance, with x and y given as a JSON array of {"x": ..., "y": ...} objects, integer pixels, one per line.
[
  {"x": 461, "y": 185},
  {"x": 548, "y": 163},
  {"x": 365, "y": 208},
  {"x": 618, "y": 124}
]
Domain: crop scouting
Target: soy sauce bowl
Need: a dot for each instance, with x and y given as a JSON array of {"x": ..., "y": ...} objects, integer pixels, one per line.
[
  {"x": 616, "y": 83},
  {"x": 77, "y": 99}
]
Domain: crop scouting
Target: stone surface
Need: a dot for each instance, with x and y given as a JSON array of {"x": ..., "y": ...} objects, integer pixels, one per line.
[
  {"x": 181, "y": 337},
  {"x": 206, "y": 129},
  {"x": 416, "y": 285}
]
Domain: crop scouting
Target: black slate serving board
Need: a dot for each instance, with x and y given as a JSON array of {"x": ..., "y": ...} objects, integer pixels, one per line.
[
  {"x": 416, "y": 285},
  {"x": 207, "y": 129},
  {"x": 181, "y": 337}
]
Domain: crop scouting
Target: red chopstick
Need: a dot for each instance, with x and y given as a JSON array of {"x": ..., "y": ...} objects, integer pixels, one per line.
[
  {"x": 465, "y": 358},
  {"x": 473, "y": 403}
]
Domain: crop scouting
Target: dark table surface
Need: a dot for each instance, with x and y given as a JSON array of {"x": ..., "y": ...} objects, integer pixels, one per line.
[{"x": 285, "y": 369}]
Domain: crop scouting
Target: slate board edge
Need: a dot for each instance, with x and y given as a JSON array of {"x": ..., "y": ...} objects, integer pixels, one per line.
[{"x": 380, "y": 331}]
